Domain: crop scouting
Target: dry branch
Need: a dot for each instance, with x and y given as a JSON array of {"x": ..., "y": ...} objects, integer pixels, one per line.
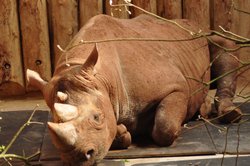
[
  {"x": 239, "y": 10},
  {"x": 240, "y": 41},
  {"x": 8, "y": 157}
]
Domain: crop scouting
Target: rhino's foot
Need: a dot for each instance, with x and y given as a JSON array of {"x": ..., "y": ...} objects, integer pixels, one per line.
[
  {"x": 206, "y": 109},
  {"x": 123, "y": 138},
  {"x": 228, "y": 112},
  {"x": 165, "y": 137},
  {"x": 169, "y": 116},
  {"x": 230, "y": 115}
]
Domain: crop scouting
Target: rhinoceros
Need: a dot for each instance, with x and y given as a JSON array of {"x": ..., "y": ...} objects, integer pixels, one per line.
[{"x": 125, "y": 84}]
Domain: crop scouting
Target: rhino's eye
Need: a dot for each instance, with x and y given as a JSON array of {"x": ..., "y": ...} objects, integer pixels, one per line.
[{"x": 96, "y": 118}]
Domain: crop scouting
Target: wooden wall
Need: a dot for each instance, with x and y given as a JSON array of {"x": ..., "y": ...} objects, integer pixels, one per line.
[{"x": 30, "y": 30}]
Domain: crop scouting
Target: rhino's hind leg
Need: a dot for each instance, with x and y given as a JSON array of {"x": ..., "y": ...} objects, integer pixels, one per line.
[
  {"x": 122, "y": 139},
  {"x": 226, "y": 86},
  {"x": 169, "y": 117}
]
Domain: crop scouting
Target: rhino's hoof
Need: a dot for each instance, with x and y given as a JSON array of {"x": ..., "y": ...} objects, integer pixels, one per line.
[
  {"x": 123, "y": 138},
  {"x": 231, "y": 114},
  {"x": 122, "y": 142}
]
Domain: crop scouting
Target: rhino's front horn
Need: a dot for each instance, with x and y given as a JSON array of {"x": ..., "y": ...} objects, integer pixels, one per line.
[
  {"x": 66, "y": 112},
  {"x": 64, "y": 131},
  {"x": 62, "y": 96}
]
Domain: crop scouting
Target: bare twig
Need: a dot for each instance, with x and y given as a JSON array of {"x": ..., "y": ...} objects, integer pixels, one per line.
[
  {"x": 211, "y": 138},
  {"x": 219, "y": 77},
  {"x": 6, "y": 156},
  {"x": 237, "y": 9},
  {"x": 243, "y": 88},
  {"x": 238, "y": 141},
  {"x": 130, "y": 39},
  {"x": 209, "y": 122},
  {"x": 225, "y": 146},
  {"x": 234, "y": 37},
  {"x": 159, "y": 17},
  {"x": 197, "y": 80},
  {"x": 244, "y": 39},
  {"x": 227, "y": 49},
  {"x": 243, "y": 42}
]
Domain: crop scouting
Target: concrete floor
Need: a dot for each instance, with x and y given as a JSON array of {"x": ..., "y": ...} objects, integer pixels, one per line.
[{"x": 21, "y": 103}]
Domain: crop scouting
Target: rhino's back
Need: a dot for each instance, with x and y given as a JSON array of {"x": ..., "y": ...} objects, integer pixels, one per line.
[{"x": 103, "y": 27}]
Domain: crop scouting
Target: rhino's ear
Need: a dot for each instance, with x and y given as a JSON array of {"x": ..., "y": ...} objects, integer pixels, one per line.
[
  {"x": 35, "y": 80},
  {"x": 91, "y": 61}
]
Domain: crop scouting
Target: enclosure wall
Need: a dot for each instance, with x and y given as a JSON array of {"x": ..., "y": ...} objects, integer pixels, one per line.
[{"x": 31, "y": 30}]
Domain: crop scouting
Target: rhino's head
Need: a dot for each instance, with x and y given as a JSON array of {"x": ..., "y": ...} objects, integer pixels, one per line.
[{"x": 84, "y": 122}]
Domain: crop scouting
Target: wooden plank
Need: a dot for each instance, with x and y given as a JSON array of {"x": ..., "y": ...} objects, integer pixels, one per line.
[
  {"x": 48, "y": 163},
  {"x": 60, "y": 163},
  {"x": 197, "y": 10},
  {"x": 148, "y": 5},
  {"x": 212, "y": 161},
  {"x": 221, "y": 14},
  {"x": 190, "y": 142},
  {"x": 240, "y": 26},
  {"x": 238, "y": 22},
  {"x": 170, "y": 9},
  {"x": 11, "y": 73},
  {"x": 88, "y": 9},
  {"x": 35, "y": 37},
  {"x": 63, "y": 24},
  {"x": 119, "y": 12}
]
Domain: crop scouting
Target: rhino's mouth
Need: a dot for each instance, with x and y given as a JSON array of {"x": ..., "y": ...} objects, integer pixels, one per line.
[{"x": 75, "y": 157}]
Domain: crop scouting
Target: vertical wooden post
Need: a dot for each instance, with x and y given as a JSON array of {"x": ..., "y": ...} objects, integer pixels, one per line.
[
  {"x": 35, "y": 37},
  {"x": 225, "y": 15},
  {"x": 170, "y": 9},
  {"x": 197, "y": 10},
  {"x": 240, "y": 26},
  {"x": 88, "y": 9},
  {"x": 119, "y": 12},
  {"x": 221, "y": 14},
  {"x": 11, "y": 69},
  {"x": 63, "y": 24},
  {"x": 148, "y": 5},
  {"x": 240, "y": 19}
]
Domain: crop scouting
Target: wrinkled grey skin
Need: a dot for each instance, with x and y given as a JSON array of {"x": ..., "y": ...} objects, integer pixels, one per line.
[{"x": 111, "y": 90}]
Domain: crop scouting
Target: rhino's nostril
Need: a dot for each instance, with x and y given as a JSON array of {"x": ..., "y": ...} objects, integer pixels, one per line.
[{"x": 89, "y": 154}]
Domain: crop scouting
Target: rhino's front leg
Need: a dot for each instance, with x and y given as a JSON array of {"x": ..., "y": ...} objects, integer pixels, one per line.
[
  {"x": 169, "y": 117},
  {"x": 226, "y": 86},
  {"x": 122, "y": 139}
]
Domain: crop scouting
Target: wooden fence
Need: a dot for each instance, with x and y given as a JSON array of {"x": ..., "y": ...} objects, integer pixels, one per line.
[{"x": 31, "y": 29}]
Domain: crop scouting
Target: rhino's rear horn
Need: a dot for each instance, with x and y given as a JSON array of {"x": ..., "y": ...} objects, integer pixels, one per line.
[
  {"x": 66, "y": 112},
  {"x": 62, "y": 96},
  {"x": 64, "y": 131}
]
